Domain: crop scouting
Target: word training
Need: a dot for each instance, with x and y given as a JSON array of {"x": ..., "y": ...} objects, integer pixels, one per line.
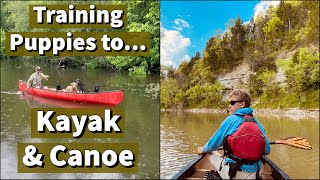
[
  {"x": 64, "y": 123},
  {"x": 80, "y": 16}
]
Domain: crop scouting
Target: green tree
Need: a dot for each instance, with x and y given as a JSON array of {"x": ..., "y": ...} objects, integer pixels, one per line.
[
  {"x": 269, "y": 84},
  {"x": 302, "y": 70},
  {"x": 238, "y": 39},
  {"x": 274, "y": 32},
  {"x": 183, "y": 68},
  {"x": 285, "y": 13},
  {"x": 12, "y": 18},
  {"x": 143, "y": 16},
  {"x": 193, "y": 60},
  {"x": 168, "y": 90},
  {"x": 3, "y": 43},
  {"x": 225, "y": 54},
  {"x": 210, "y": 56},
  {"x": 167, "y": 72},
  {"x": 312, "y": 22}
]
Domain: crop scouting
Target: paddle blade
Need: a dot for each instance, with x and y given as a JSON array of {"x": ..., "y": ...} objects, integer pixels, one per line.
[{"x": 297, "y": 142}]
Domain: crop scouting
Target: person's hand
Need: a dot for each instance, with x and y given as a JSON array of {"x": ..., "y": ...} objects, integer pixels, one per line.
[{"x": 200, "y": 150}]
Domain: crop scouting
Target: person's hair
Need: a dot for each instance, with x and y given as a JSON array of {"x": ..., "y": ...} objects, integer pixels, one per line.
[{"x": 241, "y": 95}]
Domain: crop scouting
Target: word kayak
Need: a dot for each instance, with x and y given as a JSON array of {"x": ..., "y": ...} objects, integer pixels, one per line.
[{"x": 107, "y": 97}]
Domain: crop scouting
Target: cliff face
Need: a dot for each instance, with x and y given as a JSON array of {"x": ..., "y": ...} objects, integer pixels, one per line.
[{"x": 239, "y": 76}]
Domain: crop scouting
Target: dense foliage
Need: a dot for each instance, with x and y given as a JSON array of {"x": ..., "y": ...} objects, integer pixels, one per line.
[
  {"x": 142, "y": 16},
  {"x": 290, "y": 30}
]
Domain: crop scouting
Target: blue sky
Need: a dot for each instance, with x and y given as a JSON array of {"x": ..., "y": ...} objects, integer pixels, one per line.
[{"x": 186, "y": 26}]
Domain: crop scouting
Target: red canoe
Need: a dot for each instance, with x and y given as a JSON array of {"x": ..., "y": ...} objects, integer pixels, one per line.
[{"x": 107, "y": 97}]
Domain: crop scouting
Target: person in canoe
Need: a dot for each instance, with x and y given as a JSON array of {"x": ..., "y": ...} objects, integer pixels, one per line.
[
  {"x": 243, "y": 139},
  {"x": 36, "y": 78}
]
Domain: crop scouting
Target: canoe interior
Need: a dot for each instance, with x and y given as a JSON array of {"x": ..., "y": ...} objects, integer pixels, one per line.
[{"x": 200, "y": 167}]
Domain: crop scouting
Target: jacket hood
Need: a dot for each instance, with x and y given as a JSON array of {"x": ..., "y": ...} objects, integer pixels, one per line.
[{"x": 244, "y": 111}]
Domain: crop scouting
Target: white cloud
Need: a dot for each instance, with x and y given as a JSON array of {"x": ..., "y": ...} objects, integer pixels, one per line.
[
  {"x": 263, "y": 6},
  {"x": 173, "y": 47},
  {"x": 247, "y": 22},
  {"x": 180, "y": 24}
]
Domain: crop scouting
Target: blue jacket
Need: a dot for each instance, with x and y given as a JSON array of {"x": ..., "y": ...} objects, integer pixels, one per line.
[{"x": 228, "y": 127}]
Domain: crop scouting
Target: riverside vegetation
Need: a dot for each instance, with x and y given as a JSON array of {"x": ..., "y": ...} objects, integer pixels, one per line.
[
  {"x": 283, "y": 41},
  {"x": 142, "y": 16}
]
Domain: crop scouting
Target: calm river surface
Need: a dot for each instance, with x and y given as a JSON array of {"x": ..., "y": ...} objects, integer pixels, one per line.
[
  {"x": 141, "y": 104},
  {"x": 182, "y": 132}
]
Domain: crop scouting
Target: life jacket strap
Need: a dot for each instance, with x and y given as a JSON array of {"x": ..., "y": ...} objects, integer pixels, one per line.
[{"x": 234, "y": 167}]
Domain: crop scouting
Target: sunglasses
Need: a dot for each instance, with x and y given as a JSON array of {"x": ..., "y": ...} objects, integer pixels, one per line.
[
  {"x": 39, "y": 70},
  {"x": 234, "y": 102}
]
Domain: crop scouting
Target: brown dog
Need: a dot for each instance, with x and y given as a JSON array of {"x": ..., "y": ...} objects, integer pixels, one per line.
[{"x": 72, "y": 88}]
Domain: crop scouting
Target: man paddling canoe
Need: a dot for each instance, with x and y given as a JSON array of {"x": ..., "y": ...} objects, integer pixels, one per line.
[
  {"x": 243, "y": 138},
  {"x": 36, "y": 78}
]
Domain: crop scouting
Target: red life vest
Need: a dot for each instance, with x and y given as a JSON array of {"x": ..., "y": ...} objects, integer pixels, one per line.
[{"x": 247, "y": 143}]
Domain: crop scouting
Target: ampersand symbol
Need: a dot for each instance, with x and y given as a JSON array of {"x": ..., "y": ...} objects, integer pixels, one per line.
[{"x": 30, "y": 159}]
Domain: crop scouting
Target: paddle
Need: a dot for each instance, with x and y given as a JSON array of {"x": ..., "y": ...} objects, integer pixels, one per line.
[
  {"x": 24, "y": 91},
  {"x": 297, "y": 142}
]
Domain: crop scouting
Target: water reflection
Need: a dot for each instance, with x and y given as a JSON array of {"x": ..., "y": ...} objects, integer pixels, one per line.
[{"x": 182, "y": 133}]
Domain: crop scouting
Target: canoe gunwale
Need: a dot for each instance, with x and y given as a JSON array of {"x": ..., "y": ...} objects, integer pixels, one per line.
[
  {"x": 185, "y": 169},
  {"x": 279, "y": 174}
]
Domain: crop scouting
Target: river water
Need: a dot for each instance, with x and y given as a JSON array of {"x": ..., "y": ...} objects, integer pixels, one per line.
[
  {"x": 141, "y": 104},
  {"x": 183, "y": 132}
]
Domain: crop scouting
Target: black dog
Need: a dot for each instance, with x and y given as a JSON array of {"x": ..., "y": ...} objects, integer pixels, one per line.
[
  {"x": 96, "y": 88},
  {"x": 58, "y": 87},
  {"x": 83, "y": 87}
]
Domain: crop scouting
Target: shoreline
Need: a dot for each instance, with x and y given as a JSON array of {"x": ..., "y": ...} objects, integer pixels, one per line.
[{"x": 294, "y": 113}]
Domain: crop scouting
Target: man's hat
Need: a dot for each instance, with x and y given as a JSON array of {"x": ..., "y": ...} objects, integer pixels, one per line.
[{"x": 38, "y": 68}]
